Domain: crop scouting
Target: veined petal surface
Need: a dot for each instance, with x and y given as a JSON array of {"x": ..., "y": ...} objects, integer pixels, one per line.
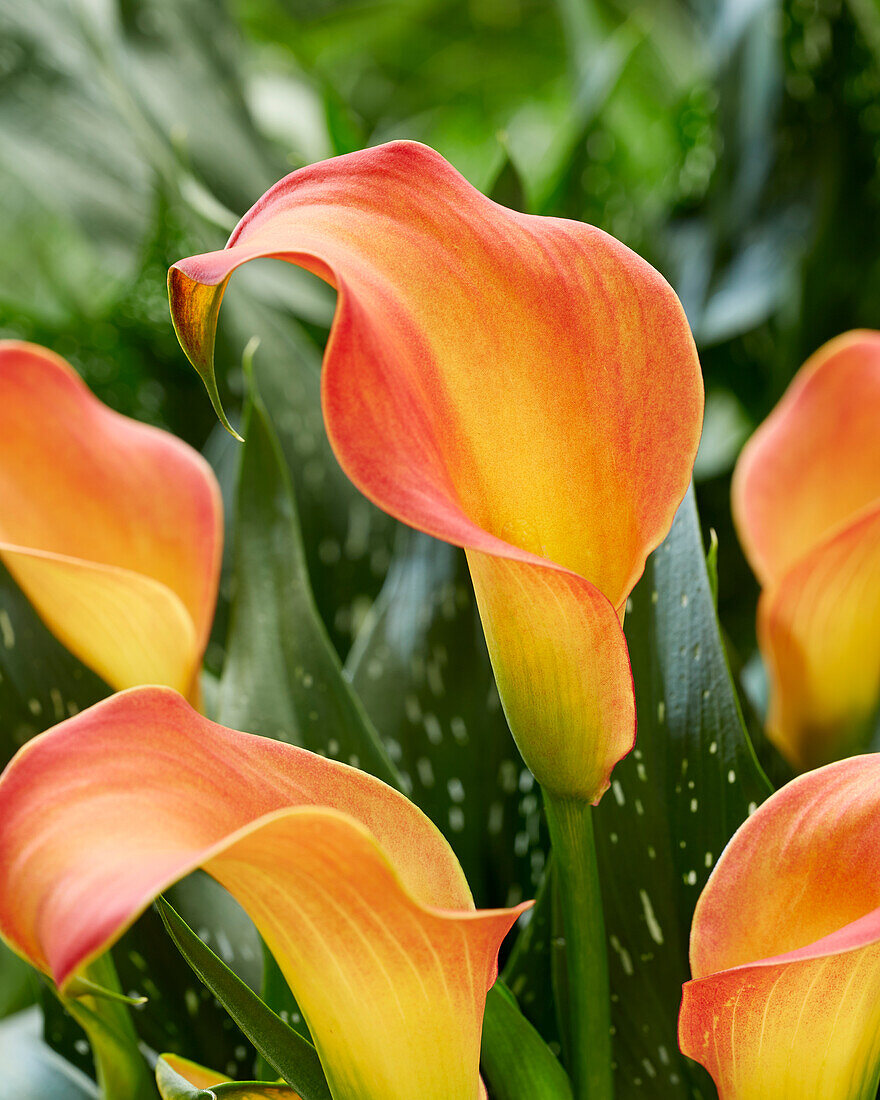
[
  {"x": 806, "y": 499},
  {"x": 356, "y": 893},
  {"x": 524, "y": 387},
  {"x": 785, "y": 946},
  {"x": 112, "y": 528}
]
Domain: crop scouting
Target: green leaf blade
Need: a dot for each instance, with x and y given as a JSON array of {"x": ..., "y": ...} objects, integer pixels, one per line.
[
  {"x": 292, "y": 1056},
  {"x": 517, "y": 1063},
  {"x": 282, "y": 677},
  {"x": 674, "y": 803}
]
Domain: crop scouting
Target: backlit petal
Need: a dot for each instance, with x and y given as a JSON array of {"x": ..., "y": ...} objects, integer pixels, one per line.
[{"x": 356, "y": 893}]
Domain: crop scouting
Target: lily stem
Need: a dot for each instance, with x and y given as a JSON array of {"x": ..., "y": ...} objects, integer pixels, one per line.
[
  {"x": 121, "y": 1069},
  {"x": 587, "y": 991}
]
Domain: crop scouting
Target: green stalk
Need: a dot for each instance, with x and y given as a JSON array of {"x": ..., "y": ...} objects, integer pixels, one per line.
[
  {"x": 586, "y": 961},
  {"x": 121, "y": 1069}
]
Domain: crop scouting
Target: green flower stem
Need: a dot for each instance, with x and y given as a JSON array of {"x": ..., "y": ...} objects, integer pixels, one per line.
[
  {"x": 586, "y": 970},
  {"x": 122, "y": 1072}
]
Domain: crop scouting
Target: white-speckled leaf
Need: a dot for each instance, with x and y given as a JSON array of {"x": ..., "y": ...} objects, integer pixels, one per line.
[
  {"x": 673, "y": 805},
  {"x": 282, "y": 677}
]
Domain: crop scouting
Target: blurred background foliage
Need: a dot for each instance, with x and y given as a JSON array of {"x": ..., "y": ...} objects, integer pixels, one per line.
[{"x": 734, "y": 143}]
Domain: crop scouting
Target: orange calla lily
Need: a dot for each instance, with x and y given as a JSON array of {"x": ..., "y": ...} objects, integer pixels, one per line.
[
  {"x": 524, "y": 387},
  {"x": 356, "y": 893},
  {"x": 112, "y": 529},
  {"x": 806, "y": 499},
  {"x": 785, "y": 946}
]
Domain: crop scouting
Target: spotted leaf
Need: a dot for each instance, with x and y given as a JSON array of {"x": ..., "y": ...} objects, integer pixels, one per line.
[{"x": 674, "y": 804}]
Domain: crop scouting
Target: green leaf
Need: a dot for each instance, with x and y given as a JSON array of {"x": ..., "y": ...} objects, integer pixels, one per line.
[
  {"x": 181, "y": 1016},
  {"x": 529, "y": 970},
  {"x": 674, "y": 803},
  {"x": 276, "y": 993},
  {"x": 32, "y": 1070},
  {"x": 516, "y": 1062},
  {"x": 282, "y": 677},
  {"x": 421, "y": 668},
  {"x": 290, "y": 1055}
]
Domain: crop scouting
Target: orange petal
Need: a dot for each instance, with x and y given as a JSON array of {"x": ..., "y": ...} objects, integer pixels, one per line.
[
  {"x": 356, "y": 893},
  {"x": 525, "y": 387},
  {"x": 785, "y": 946},
  {"x": 112, "y": 528},
  {"x": 815, "y": 461}
]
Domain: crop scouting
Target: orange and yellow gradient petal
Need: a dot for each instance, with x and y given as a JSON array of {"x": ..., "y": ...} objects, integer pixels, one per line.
[
  {"x": 785, "y": 946},
  {"x": 524, "y": 387},
  {"x": 356, "y": 893},
  {"x": 806, "y": 499},
  {"x": 113, "y": 529}
]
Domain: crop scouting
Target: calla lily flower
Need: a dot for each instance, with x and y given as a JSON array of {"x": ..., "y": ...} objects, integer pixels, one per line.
[
  {"x": 806, "y": 499},
  {"x": 112, "y": 529},
  {"x": 524, "y": 387},
  {"x": 785, "y": 946},
  {"x": 356, "y": 893}
]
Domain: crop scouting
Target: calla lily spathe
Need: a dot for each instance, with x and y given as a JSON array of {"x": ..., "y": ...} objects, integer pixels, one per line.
[
  {"x": 356, "y": 893},
  {"x": 806, "y": 500},
  {"x": 785, "y": 946},
  {"x": 112, "y": 529},
  {"x": 524, "y": 387}
]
